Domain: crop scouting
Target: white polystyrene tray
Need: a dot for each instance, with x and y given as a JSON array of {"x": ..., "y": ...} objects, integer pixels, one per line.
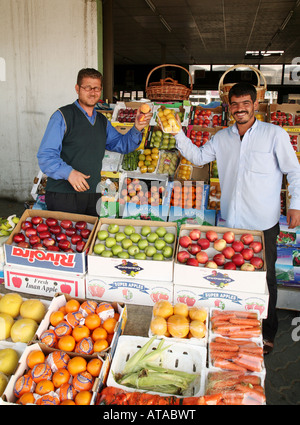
[{"x": 179, "y": 356}]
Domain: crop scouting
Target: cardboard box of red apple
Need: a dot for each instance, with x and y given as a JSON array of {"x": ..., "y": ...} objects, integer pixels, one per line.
[
  {"x": 50, "y": 240},
  {"x": 133, "y": 256},
  {"x": 233, "y": 259}
]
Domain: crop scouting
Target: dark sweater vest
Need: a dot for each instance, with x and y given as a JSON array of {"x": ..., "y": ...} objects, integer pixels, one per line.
[{"x": 83, "y": 147}]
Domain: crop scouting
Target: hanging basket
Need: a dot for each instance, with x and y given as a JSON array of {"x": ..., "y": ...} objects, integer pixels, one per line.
[
  {"x": 167, "y": 88},
  {"x": 261, "y": 86}
]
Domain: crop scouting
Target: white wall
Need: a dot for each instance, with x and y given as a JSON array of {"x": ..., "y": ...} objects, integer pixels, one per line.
[{"x": 43, "y": 44}]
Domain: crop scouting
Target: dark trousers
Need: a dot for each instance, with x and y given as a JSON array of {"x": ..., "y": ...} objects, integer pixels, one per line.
[
  {"x": 76, "y": 203},
  {"x": 270, "y": 324}
]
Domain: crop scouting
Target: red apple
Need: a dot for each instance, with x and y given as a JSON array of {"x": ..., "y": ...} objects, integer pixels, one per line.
[
  {"x": 219, "y": 259},
  {"x": 34, "y": 240},
  {"x": 85, "y": 233},
  {"x": 238, "y": 246},
  {"x": 55, "y": 230},
  {"x": 192, "y": 262},
  {"x": 70, "y": 231},
  {"x": 185, "y": 241},
  {"x": 19, "y": 237},
  {"x": 36, "y": 220},
  {"x": 202, "y": 257},
  {"x": 204, "y": 243},
  {"x": 26, "y": 224},
  {"x": 65, "y": 224},
  {"x": 79, "y": 246},
  {"x": 44, "y": 235},
  {"x": 195, "y": 234},
  {"x": 75, "y": 239},
  {"x": 256, "y": 246},
  {"x": 53, "y": 248},
  {"x": 229, "y": 266},
  {"x": 64, "y": 244},
  {"x": 183, "y": 256},
  {"x": 219, "y": 244},
  {"x": 194, "y": 248},
  {"x": 211, "y": 265},
  {"x": 42, "y": 227},
  {"x": 229, "y": 236},
  {"x": 228, "y": 252},
  {"x": 60, "y": 236},
  {"x": 30, "y": 231},
  {"x": 23, "y": 244},
  {"x": 257, "y": 262},
  {"x": 211, "y": 235},
  {"x": 247, "y": 238},
  {"x": 238, "y": 259},
  {"x": 50, "y": 221},
  {"x": 48, "y": 242},
  {"x": 38, "y": 246},
  {"x": 247, "y": 253},
  {"x": 80, "y": 225},
  {"x": 247, "y": 267}
]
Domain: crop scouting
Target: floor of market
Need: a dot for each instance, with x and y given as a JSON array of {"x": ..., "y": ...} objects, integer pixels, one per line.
[{"x": 282, "y": 384}]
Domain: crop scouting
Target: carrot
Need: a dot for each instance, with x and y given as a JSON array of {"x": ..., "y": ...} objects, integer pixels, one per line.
[
  {"x": 251, "y": 322},
  {"x": 251, "y": 393},
  {"x": 232, "y": 328},
  {"x": 252, "y": 366},
  {"x": 226, "y": 347},
  {"x": 203, "y": 400},
  {"x": 246, "y": 314},
  {"x": 246, "y": 333},
  {"x": 224, "y": 364},
  {"x": 250, "y": 379},
  {"x": 222, "y": 355},
  {"x": 254, "y": 350},
  {"x": 224, "y": 375}
]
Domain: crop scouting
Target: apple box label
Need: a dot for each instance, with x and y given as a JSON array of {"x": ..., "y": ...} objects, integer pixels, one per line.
[
  {"x": 219, "y": 279},
  {"x": 128, "y": 268},
  {"x": 220, "y": 296}
]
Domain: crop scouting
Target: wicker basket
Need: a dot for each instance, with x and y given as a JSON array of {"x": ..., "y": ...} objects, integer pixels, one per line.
[
  {"x": 260, "y": 89},
  {"x": 168, "y": 89}
]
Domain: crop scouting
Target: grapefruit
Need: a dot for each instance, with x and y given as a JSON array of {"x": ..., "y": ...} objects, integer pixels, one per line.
[
  {"x": 178, "y": 326},
  {"x": 163, "y": 308}
]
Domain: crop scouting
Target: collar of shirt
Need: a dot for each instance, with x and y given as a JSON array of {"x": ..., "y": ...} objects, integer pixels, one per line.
[
  {"x": 236, "y": 130},
  {"x": 92, "y": 118}
]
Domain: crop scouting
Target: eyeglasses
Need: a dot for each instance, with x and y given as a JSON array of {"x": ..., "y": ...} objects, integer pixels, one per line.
[{"x": 89, "y": 88}]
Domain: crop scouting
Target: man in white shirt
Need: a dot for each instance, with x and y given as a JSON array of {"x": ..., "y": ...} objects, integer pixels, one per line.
[{"x": 252, "y": 157}]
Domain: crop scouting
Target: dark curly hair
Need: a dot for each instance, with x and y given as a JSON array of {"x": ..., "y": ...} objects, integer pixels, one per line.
[
  {"x": 242, "y": 89},
  {"x": 88, "y": 72}
]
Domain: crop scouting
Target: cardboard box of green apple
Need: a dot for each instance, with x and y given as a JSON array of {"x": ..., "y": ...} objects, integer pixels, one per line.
[{"x": 139, "y": 249}]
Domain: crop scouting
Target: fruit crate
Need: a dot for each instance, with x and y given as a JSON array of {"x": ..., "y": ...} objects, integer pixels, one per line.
[{"x": 179, "y": 356}]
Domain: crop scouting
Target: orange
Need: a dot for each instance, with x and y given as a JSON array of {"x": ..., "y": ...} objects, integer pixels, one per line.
[
  {"x": 109, "y": 325},
  {"x": 100, "y": 345},
  {"x": 26, "y": 398},
  {"x": 117, "y": 316},
  {"x": 92, "y": 321},
  {"x": 109, "y": 338},
  {"x": 76, "y": 365},
  {"x": 72, "y": 305},
  {"x": 40, "y": 372},
  {"x": 23, "y": 384},
  {"x": 94, "y": 367},
  {"x": 67, "y": 403},
  {"x": 35, "y": 357},
  {"x": 63, "y": 309},
  {"x": 44, "y": 387},
  {"x": 80, "y": 332},
  {"x": 99, "y": 333},
  {"x": 61, "y": 376},
  {"x": 83, "y": 398},
  {"x": 56, "y": 317},
  {"x": 66, "y": 343}
]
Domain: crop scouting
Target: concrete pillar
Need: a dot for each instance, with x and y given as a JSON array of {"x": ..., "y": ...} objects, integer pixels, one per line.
[{"x": 108, "y": 50}]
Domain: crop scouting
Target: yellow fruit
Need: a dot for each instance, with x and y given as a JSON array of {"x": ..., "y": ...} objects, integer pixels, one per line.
[
  {"x": 163, "y": 308},
  {"x": 197, "y": 329},
  {"x": 6, "y": 322},
  {"x": 178, "y": 326},
  {"x": 23, "y": 330},
  {"x": 198, "y": 313},
  {"x": 8, "y": 360},
  {"x": 11, "y": 304},
  {"x": 158, "y": 325},
  {"x": 3, "y": 382},
  {"x": 182, "y": 309},
  {"x": 33, "y": 309}
]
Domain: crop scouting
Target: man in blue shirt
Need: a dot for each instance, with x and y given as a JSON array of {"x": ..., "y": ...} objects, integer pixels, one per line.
[
  {"x": 252, "y": 157},
  {"x": 73, "y": 147}
]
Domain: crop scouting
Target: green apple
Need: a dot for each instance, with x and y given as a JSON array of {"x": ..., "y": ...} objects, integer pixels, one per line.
[
  {"x": 116, "y": 249},
  {"x": 120, "y": 236},
  {"x": 151, "y": 237},
  {"x": 126, "y": 243},
  {"x": 169, "y": 237},
  {"x": 123, "y": 254},
  {"x": 133, "y": 250},
  {"x": 140, "y": 256},
  {"x": 158, "y": 257},
  {"x": 113, "y": 228},
  {"x": 109, "y": 242},
  {"x": 135, "y": 237},
  {"x": 161, "y": 231},
  {"x": 150, "y": 251},
  {"x": 167, "y": 251},
  {"x": 145, "y": 230},
  {"x": 159, "y": 244},
  {"x": 102, "y": 235},
  {"x": 107, "y": 253},
  {"x": 128, "y": 230},
  {"x": 99, "y": 248},
  {"x": 142, "y": 244}
]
